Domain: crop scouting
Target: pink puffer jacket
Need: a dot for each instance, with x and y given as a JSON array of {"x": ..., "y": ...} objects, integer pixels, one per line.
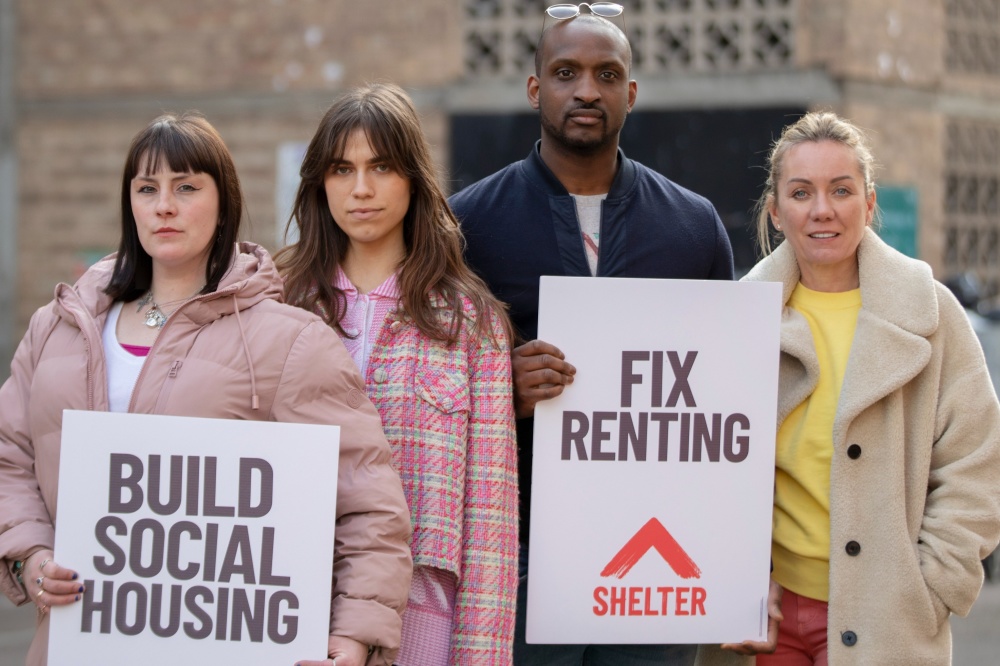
[{"x": 271, "y": 362}]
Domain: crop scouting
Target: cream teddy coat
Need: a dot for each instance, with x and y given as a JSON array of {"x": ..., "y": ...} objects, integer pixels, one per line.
[{"x": 915, "y": 474}]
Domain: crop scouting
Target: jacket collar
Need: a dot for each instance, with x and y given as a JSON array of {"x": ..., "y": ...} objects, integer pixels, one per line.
[
  {"x": 899, "y": 310},
  {"x": 538, "y": 175},
  {"x": 251, "y": 278},
  {"x": 894, "y": 287},
  {"x": 85, "y": 304}
]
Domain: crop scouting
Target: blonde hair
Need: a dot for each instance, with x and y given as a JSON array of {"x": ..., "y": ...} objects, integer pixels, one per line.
[{"x": 813, "y": 127}]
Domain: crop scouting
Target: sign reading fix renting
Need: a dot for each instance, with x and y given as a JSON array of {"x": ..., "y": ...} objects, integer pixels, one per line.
[{"x": 653, "y": 472}]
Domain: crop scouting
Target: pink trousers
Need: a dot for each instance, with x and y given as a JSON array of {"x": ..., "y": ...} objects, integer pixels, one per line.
[{"x": 802, "y": 634}]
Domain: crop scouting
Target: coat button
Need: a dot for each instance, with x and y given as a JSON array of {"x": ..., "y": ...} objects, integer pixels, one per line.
[
  {"x": 853, "y": 548},
  {"x": 849, "y": 638},
  {"x": 355, "y": 398},
  {"x": 853, "y": 451},
  {"x": 395, "y": 326},
  {"x": 380, "y": 375}
]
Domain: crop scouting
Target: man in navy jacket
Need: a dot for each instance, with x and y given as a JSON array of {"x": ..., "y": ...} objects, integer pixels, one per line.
[{"x": 522, "y": 222}]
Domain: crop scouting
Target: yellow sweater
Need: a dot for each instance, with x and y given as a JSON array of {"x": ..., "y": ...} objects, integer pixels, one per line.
[{"x": 801, "y": 540}]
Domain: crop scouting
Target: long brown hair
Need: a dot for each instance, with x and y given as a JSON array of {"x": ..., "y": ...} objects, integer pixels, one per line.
[{"x": 433, "y": 263}]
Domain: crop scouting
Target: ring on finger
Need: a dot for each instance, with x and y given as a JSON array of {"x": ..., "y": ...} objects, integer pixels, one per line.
[
  {"x": 40, "y": 593},
  {"x": 44, "y": 562},
  {"x": 40, "y": 581}
]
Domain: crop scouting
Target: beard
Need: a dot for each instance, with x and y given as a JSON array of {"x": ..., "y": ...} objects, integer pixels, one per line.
[{"x": 586, "y": 145}]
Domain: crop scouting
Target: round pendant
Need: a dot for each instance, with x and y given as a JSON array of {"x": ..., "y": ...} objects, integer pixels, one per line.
[{"x": 154, "y": 319}]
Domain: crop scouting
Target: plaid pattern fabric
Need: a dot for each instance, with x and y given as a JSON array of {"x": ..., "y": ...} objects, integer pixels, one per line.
[{"x": 448, "y": 415}]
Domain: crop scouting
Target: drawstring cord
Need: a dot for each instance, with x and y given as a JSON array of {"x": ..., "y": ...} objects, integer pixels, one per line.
[{"x": 254, "y": 401}]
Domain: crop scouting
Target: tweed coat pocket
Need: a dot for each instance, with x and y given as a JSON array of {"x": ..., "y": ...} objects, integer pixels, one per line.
[{"x": 447, "y": 391}]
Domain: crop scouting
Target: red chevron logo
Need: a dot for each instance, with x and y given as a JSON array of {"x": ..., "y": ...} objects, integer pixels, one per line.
[{"x": 652, "y": 535}]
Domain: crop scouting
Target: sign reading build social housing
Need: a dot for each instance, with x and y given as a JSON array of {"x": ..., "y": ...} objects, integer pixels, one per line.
[
  {"x": 199, "y": 540},
  {"x": 653, "y": 472}
]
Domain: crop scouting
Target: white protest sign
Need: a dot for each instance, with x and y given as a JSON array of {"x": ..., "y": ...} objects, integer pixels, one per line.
[
  {"x": 199, "y": 540},
  {"x": 653, "y": 472}
]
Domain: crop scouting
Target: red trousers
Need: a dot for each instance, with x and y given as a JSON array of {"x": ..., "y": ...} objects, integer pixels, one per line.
[{"x": 802, "y": 634}]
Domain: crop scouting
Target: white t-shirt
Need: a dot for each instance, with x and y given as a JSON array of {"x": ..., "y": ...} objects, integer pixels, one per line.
[
  {"x": 588, "y": 211},
  {"x": 123, "y": 367}
]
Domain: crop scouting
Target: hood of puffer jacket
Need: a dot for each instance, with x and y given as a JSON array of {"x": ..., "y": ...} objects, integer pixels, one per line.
[{"x": 252, "y": 277}]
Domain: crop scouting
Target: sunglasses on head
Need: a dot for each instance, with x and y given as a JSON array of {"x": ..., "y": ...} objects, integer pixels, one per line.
[
  {"x": 568, "y": 11},
  {"x": 561, "y": 12}
]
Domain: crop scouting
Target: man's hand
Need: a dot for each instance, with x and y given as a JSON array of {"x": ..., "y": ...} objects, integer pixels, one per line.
[
  {"x": 774, "y": 618},
  {"x": 540, "y": 373}
]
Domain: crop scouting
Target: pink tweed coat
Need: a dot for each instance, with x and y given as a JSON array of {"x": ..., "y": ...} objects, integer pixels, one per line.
[{"x": 448, "y": 415}]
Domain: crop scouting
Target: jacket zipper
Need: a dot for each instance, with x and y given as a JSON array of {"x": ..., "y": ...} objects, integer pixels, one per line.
[
  {"x": 167, "y": 388},
  {"x": 81, "y": 321},
  {"x": 175, "y": 366},
  {"x": 90, "y": 372},
  {"x": 600, "y": 230}
]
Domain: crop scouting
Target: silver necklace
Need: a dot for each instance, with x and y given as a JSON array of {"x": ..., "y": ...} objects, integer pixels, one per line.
[{"x": 155, "y": 316}]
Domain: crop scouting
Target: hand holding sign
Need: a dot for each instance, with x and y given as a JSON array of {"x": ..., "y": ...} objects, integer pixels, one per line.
[
  {"x": 774, "y": 618},
  {"x": 655, "y": 464},
  {"x": 343, "y": 652},
  {"x": 540, "y": 373},
  {"x": 49, "y": 584},
  {"x": 190, "y": 550}
]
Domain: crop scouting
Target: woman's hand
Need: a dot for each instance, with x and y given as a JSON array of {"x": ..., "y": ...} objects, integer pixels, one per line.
[
  {"x": 774, "y": 618},
  {"x": 343, "y": 651},
  {"x": 49, "y": 584}
]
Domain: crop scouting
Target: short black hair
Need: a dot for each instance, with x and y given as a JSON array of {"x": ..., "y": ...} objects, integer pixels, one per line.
[{"x": 598, "y": 21}]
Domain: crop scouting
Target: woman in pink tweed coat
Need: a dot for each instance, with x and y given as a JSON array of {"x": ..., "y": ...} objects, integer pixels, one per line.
[{"x": 380, "y": 258}]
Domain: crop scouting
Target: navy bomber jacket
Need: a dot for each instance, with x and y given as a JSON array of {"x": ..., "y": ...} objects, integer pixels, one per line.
[{"x": 520, "y": 223}]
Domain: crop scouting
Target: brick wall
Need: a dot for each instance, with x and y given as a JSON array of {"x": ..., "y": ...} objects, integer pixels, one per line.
[
  {"x": 888, "y": 58},
  {"x": 908, "y": 146},
  {"x": 90, "y": 48},
  {"x": 69, "y": 181},
  {"x": 896, "y": 42},
  {"x": 93, "y": 72}
]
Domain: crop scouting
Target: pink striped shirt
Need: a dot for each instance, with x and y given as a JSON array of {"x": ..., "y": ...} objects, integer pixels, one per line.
[{"x": 365, "y": 315}]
